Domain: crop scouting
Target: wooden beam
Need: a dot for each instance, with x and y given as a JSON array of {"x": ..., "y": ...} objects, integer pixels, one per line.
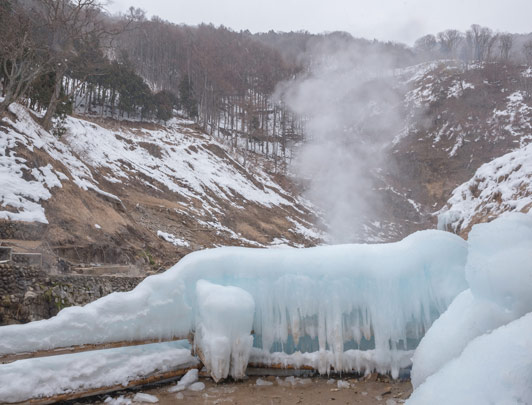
[
  {"x": 9, "y": 358},
  {"x": 279, "y": 366},
  {"x": 154, "y": 378}
]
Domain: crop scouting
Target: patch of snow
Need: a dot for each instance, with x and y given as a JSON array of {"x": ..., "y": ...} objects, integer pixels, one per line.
[
  {"x": 262, "y": 383},
  {"x": 145, "y": 398},
  {"x": 197, "y": 386},
  {"x": 121, "y": 400},
  {"x": 172, "y": 239},
  {"x": 457, "y": 88},
  {"x": 515, "y": 118},
  {"x": 308, "y": 232},
  {"x": 343, "y": 384}
]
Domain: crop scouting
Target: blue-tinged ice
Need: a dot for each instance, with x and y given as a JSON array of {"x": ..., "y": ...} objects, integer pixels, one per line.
[{"x": 332, "y": 299}]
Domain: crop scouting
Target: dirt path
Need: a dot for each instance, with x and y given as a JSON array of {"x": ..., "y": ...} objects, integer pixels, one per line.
[{"x": 312, "y": 391}]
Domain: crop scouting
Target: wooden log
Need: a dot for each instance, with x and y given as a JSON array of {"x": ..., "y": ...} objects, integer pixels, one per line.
[
  {"x": 154, "y": 378},
  {"x": 280, "y": 366},
  {"x": 9, "y": 358}
]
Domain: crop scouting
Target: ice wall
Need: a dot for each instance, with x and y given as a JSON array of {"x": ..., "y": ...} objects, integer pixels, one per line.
[
  {"x": 479, "y": 333},
  {"x": 330, "y": 298}
]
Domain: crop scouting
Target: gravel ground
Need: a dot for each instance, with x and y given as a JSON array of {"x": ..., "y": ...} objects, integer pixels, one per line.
[{"x": 285, "y": 390}]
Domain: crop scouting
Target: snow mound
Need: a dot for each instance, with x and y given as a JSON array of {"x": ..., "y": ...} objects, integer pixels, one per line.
[
  {"x": 48, "y": 376},
  {"x": 502, "y": 185},
  {"x": 493, "y": 369},
  {"x": 459, "y": 344},
  {"x": 330, "y": 298}
]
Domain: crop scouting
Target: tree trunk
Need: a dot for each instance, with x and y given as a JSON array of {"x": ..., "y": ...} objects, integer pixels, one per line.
[
  {"x": 8, "y": 99},
  {"x": 54, "y": 101}
]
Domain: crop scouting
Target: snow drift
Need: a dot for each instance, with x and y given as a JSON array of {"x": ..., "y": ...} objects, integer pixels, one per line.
[
  {"x": 484, "y": 336},
  {"x": 50, "y": 376},
  {"x": 326, "y": 299}
]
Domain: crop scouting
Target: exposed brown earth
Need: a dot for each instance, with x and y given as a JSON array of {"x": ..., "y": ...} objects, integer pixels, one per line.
[{"x": 313, "y": 391}]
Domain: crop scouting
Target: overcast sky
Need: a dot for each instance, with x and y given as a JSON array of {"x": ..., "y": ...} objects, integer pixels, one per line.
[{"x": 398, "y": 20}]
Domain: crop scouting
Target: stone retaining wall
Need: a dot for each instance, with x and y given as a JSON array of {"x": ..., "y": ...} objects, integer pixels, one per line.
[
  {"x": 28, "y": 294},
  {"x": 21, "y": 230}
]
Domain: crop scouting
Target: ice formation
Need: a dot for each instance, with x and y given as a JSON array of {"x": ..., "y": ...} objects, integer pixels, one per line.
[
  {"x": 263, "y": 383},
  {"x": 48, "y": 376},
  {"x": 187, "y": 380},
  {"x": 470, "y": 340},
  {"x": 328, "y": 299},
  {"x": 145, "y": 398},
  {"x": 197, "y": 386},
  {"x": 223, "y": 329},
  {"x": 358, "y": 361}
]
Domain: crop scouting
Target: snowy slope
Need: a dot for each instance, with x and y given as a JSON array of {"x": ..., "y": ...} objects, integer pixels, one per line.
[
  {"x": 175, "y": 166},
  {"x": 479, "y": 103},
  {"x": 504, "y": 184}
]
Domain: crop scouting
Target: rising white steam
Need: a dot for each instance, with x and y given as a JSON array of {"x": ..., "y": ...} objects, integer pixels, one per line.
[{"x": 350, "y": 101}]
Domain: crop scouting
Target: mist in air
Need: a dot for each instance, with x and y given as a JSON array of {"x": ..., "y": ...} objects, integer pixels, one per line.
[{"x": 350, "y": 103}]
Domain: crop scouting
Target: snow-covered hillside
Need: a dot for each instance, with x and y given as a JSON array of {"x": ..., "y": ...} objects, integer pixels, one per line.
[
  {"x": 458, "y": 118},
  {"x": 207, "y": 196},
  {"x": 502, "y": 185}
]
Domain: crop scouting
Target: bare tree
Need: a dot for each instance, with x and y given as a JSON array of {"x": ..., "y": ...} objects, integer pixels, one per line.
[
  {"x": 527, "y": 50},
  {"x": 480, "y": 40},
  {"x": 505, "y": 46},
  {"x": 426, "y": 46},
  {"x": 67, "y": 23},
  {"x": 491, "y": 44},
  {"x": 449, "y": 41},
  {"x": 22, "y": 58}
]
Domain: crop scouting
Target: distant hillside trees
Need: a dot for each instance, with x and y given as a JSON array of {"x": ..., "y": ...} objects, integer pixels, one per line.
[
  {"x": 478, "y": 44},
  {"x": 527, "y": 50},
  {"x": 188, "y": 100},
  {"x": 224, "y": 79},
  {"x": 449, "y": 41}
]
